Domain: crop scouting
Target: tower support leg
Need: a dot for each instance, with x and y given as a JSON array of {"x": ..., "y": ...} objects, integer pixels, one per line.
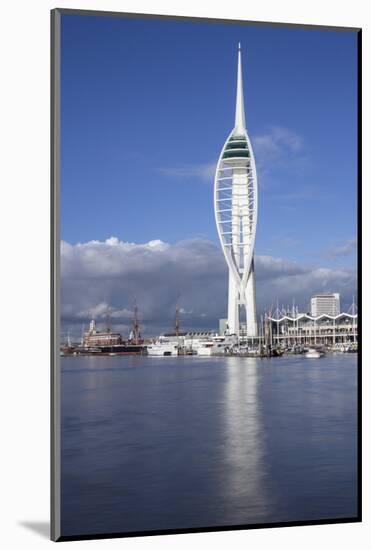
[
  {"x": 233, "y": 313},
  {"x": 250, "y": 301}
]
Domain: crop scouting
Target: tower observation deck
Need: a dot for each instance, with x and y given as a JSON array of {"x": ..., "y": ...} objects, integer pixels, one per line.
[{"x": 236, "y": 207}]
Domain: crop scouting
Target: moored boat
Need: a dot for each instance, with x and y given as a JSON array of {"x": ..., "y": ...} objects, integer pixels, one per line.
[
  {"x": 163, "y": 348},
  {"x": 314, "y": 353}
]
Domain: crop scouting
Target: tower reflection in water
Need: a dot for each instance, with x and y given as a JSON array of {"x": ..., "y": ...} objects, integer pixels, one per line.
[{"x": 246, "y": 491}]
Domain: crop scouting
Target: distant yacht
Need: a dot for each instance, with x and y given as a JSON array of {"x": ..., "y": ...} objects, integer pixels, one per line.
[{"x": 313, "y": 353}]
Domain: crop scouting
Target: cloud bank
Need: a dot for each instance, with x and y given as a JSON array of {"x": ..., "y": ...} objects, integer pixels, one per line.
[{"x": 113, "y": 275}]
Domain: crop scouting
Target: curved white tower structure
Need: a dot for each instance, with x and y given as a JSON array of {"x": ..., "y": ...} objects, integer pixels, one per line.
[{"x": 236, "y": 208}]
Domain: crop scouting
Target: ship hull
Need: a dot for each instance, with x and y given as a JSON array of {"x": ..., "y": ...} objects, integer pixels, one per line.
[{"x": 124, "y": 349}]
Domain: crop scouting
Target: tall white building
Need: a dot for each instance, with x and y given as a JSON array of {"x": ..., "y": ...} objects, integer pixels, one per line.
[
  {"x": 236, "y": 207},
  {"x": 92, "y": 327},
  {"x": 325, "y": 303}
]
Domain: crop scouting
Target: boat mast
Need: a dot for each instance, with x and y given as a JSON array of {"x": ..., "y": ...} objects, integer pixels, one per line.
[
  {"x": 177, "y": 321},
  {"x": 136, "y": 332}
]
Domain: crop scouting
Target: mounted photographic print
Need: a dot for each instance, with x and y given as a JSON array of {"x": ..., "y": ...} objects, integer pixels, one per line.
[{"x": 205, "y": 187}]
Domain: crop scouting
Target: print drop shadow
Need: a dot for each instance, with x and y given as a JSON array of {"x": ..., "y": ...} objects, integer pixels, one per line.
[{"x": 42, "y": 528}]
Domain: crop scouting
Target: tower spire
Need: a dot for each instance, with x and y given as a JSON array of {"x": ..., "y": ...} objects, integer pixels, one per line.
[{"x": 240, "y": 123}]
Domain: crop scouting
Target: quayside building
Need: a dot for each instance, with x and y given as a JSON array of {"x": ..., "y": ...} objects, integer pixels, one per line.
[
  {"x": 303, "y": 329},
  {"x": 325, "y": 303},
  {"x": 95, "y": 338}
]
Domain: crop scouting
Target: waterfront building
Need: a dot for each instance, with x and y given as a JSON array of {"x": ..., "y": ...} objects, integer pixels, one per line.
[
  {"x": 235, "y": 206},
  {"x": 94, "y": 338},
  {"x": 325, "y": 304},
  {"x": 303, "y": 329}
]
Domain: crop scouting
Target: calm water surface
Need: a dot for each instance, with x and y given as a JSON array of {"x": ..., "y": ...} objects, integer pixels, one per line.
[{"x": 163, "y": 443}]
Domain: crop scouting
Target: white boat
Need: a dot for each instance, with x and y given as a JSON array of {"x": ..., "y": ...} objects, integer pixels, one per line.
[
  {"x": 163, "y": 348},
  {"x": 205, "y": 348},
  {"x": 313, "y": 353},
  {"x": 211, "y": 347}
]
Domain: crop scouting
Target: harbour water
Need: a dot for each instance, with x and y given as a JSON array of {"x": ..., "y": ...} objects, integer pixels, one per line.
[{"x": 183, "y": 442}]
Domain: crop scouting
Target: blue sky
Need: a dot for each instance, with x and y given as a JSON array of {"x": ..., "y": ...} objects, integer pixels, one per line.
[{"x": 147, "y": 105}]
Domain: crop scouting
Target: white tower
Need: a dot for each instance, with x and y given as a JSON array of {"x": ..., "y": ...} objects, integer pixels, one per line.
[{"x": 236, "y": 207}]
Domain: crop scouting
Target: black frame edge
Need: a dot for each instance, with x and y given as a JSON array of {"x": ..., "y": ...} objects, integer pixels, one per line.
[{"x": 227, "y": 528}]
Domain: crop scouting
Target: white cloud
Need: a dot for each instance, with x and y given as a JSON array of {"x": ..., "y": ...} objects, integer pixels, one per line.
[
  {"x": 276, "y": 143},
  {"x": 277, "y": 150},
  {"x": 113, "y": 275},
  {"x": 204, "y": 172},
  {"x": 345, "y": 249}
]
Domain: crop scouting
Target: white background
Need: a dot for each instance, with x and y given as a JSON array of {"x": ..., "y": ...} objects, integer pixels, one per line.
[{"x": 24, "y": 273}]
